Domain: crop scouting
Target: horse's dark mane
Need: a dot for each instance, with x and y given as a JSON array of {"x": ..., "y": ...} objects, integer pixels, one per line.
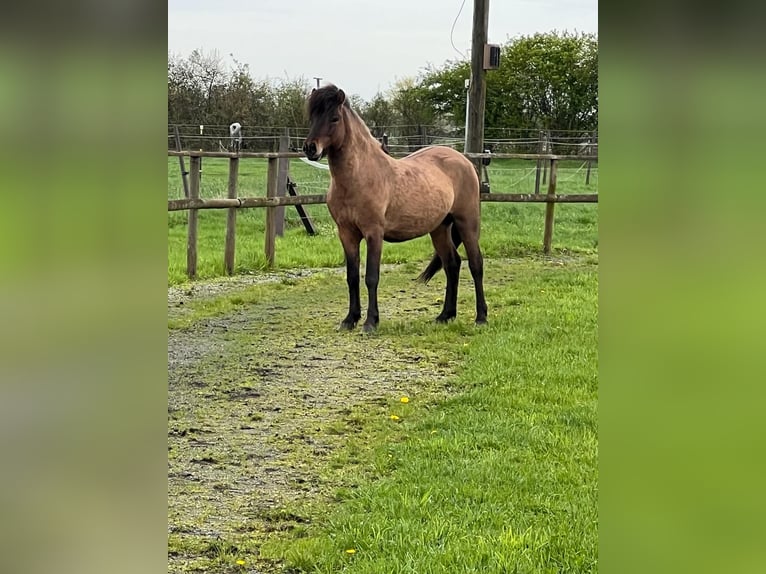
[
  {"x": 326, "y": 98},
  {"x": 323, "y": 99}
]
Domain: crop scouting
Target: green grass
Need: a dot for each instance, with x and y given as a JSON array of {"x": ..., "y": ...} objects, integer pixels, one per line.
[
  {"x": 508, "y": 230},
  {"x": 492, "y": 470},
  {"x": 501, "y": 477}
]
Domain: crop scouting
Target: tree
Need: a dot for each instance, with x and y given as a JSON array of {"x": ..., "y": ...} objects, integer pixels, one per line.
[
  {"x": 411, "y": 102},
  {"x": 446, "y": 93},
  {"x": 242, "y": 99},
  {"x": 412, "y": 106},
  {"x": 290, "y": 103},
  {"x": 545, "y": 81},
  {"x": 378, "y": 114},
  {"x": 185, "y": 99}
]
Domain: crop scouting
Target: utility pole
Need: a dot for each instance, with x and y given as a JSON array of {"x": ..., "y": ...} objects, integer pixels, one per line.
[
  {"x": 477, "y": 89},
  {"x": 317, "y": 79}
]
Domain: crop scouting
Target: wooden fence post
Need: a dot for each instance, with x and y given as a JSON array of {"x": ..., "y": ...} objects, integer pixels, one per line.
[
  {"x": 271, "y": 212},
  {"x": 231, "y": 218},
  {"x": 283, "y": 168},
  {"x": 549, "y": 206},
  {"x": 191, "y": 238}
]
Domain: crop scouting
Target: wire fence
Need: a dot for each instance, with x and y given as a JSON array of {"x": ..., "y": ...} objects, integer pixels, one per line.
[{"x": 402, "y": 139}]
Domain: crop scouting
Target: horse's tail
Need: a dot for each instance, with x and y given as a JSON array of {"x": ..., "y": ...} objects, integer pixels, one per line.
[
  {"x": 431, "y": 270},
  {"x": 436, "y": 262}
]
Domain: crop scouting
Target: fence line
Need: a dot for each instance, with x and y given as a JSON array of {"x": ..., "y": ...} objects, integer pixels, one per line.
[
  {"x": 406, "y": 137},
  {"x": 274, "y": 200},
  {"x": 293, "y": 155},
  {"x": 288, "y": 200}
]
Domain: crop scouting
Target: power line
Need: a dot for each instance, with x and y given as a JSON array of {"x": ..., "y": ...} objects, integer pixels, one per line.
[{"x": 453, "y": 30}]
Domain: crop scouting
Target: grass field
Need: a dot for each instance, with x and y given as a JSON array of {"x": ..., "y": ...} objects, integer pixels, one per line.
[
  {"x": 508, "y": 230},
  {"x": 501, "y": 477},
  {"x": 290, "y": 448},
  {"x": 490, "y": 467}
]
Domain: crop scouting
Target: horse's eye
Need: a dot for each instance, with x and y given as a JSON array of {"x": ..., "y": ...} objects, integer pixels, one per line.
[{"x": 335, "y": 119}]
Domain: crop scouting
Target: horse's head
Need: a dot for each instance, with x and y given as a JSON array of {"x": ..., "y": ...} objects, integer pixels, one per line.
[{"x": 327, "y": 128}]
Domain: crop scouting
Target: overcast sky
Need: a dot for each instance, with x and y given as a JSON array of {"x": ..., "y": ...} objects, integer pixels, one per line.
[{"x": 363, "y": 46}]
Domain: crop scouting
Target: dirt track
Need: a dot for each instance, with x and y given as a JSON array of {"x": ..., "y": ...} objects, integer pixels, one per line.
[{"x": 260, "y": 398}]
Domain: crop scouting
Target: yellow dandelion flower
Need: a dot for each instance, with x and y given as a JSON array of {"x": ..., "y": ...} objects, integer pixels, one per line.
[
  {"x": 241, "y": 562},
  {"x": 394, "y": 418},
  {"x": 350, "y": 551},
  {"x": 405, "y": 399}
]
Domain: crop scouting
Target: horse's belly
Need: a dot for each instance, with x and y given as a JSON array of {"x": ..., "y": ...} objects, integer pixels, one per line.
[
  {"x": 398, "y": 236},
  {"x": 403, "y": 227}
]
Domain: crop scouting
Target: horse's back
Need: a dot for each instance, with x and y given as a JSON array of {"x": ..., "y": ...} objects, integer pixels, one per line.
[{"x": 452, "y": 163}]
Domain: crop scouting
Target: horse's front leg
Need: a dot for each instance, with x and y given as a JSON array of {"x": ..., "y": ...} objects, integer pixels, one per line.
[
  {"x": 371, "y": 278},
  {"x": 350, "y": 241}
]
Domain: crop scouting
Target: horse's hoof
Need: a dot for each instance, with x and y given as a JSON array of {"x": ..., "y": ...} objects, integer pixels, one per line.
[
  {"x": 368, "y": 328},
  {"x": 481, "y": 322},
  {"x": 347, "y": 326},
  {"x": 444, "y": 318}
]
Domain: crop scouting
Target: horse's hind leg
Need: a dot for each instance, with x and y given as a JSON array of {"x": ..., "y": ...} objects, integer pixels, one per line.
[
  {"x": 469, "y": 231},
  {"x": 436, "y": 263},
  {"x": 450, "y": 259}
]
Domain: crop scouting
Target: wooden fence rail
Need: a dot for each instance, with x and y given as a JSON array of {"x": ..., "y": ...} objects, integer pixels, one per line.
[
  {"x": 277, "y": 171},
  {"x": 190, "y": 204}
]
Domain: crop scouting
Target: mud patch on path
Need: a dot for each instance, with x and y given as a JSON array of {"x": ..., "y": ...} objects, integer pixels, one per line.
[{"x": 261, "y": 400}]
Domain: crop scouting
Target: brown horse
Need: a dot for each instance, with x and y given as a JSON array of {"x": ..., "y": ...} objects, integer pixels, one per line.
[{"x": 377, "y": 198}]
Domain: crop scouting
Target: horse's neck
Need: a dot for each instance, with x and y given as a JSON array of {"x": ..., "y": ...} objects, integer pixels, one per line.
[{"x": 359, "y": 153}]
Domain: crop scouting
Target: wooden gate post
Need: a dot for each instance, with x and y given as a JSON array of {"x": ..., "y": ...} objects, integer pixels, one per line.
[
  {"x": 549, "y": 207},
  {"x": 271, "y": 212},
  {"x": 231, "y": 218},
  {"x": 191, "y": 238}
]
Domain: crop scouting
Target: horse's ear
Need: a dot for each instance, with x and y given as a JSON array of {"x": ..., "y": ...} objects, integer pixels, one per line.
[
  {"x": 313, "y": 90},
  {"x": 341, "y": 97}
]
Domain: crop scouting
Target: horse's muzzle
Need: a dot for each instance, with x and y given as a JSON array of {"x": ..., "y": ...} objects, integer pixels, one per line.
[{"x": 311, "y": 151}]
